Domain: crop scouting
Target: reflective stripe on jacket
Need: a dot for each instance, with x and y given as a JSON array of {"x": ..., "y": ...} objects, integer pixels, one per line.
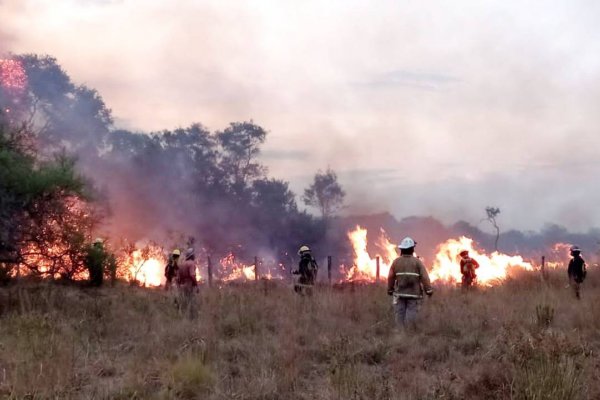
[{"x": 408, "y": 278}]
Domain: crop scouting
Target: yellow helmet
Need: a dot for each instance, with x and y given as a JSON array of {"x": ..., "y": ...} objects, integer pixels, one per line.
[
  {"x": 176, "y": 252},
  {"x": 303, "y": 249}
]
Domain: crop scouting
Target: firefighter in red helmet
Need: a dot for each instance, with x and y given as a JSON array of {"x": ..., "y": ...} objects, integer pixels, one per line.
[{"x": 468, "y": 266}]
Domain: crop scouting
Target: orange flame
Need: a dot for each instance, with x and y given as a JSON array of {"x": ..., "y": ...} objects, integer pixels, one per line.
[
  {"x": 234, "y": 271},
  {"x": 492, "y": 269},
  {"x": 365, "y": 266},
  {"x": 144, "y": 265}
]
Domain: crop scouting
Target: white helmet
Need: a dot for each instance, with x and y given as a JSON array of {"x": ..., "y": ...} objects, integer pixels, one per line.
[
  {"x": 303, "y": 249},
  {"x": 406, "y": 243}
]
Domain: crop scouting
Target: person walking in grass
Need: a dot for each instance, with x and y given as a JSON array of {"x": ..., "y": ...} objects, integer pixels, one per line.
[
  {"x": 407, "y": 280},
  {"x": 306, "y": 272},
  {"x": 576, "y": 271},
  {"x": 186, "y": 280}
]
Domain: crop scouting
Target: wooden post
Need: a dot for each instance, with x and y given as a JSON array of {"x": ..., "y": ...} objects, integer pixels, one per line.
[
  {"x": 209, "y": 271},
  {"x": 329, "y": 269},
  {"x": 255, "y": 268},
  {"x": 543, "y": 267},
  {"x": 377, "y": 268}
]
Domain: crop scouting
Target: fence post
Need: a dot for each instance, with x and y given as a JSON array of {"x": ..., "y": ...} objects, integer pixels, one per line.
[
  {"x": 255, "y": 268},
  {"x": 209, "y": 271},
  {"x": 543, "y": 267},
  {"x": 377, "y": 268},
  {"x": 329, "y": 269}
]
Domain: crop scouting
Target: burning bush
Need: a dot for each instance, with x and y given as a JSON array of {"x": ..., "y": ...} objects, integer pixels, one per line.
[{"x": 45, "y": 219}]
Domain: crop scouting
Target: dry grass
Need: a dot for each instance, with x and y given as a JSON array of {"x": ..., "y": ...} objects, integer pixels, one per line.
[{"x": 523, "y": 340}]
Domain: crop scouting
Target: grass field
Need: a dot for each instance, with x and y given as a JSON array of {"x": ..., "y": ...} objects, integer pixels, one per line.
[{"x": 521, "y": 340}]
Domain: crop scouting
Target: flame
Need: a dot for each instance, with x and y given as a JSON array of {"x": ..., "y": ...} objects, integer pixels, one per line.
[
  {"x": 365, "y": 266},
  {"x": 51, "y": 261},
  {"x": 559, "y": 255},
  {"x": 492, "y": 269},
  {"x": 144, "y": 265},
  {"x": 234, "y": 271}
]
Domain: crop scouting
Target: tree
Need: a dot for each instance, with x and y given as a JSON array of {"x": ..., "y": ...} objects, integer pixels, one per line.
[
  {"x": 45, "y": 218},
  {"x": 325, "y": 194},
  {"x": 240, "y": 146},
  {"x": 492, "y": 213}
]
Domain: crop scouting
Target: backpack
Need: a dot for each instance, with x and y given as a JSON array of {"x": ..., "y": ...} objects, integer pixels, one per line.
[{"x": 311, "y": 270}]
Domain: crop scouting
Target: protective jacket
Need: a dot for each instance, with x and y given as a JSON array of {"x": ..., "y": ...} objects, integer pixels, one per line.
[
  {"x": 408, "y": 278},
  {"x": 468, "y": 266},
  {"x": 171, "y": 269},
  {"x": 577, "y": 270},
  {"x": 186, "y": 274},
  {"x": 307, "y": 269}
]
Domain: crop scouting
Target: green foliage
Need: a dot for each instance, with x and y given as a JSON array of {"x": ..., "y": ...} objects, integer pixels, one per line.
[{"x": 44, "y": 216}]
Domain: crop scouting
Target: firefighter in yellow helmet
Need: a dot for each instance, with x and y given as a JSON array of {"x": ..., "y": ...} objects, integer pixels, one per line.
[
  {"x": 307, "y": 271},
  {"x": 171, "y": 268},
  {"x": 407, "y": 280}
]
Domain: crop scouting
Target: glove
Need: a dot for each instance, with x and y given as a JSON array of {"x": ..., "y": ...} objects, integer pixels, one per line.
[
  {"x": 390, "y": 292},
  {"x": 430, "y": 293}
]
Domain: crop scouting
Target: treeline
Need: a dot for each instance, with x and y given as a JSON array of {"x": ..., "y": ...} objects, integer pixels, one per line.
[{"x": 171, "y": 186}]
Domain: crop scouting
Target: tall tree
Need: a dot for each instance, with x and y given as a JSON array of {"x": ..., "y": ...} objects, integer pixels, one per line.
[
  {"x": 240, "y": 146},
  {"x": 325, "y": 194}
]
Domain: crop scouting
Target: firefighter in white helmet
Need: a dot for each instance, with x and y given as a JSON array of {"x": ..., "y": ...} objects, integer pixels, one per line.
[
  {"x": 407, "y": 280},
  {"x": 577, "y": 270},
  {"x": 307, "y": 271}
]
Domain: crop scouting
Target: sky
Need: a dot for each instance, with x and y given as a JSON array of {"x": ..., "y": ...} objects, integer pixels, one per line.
[{"x": 422, "y": 107}]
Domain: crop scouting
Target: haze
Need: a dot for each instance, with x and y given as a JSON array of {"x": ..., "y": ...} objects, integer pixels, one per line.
[{"x": 423, "y": 108}]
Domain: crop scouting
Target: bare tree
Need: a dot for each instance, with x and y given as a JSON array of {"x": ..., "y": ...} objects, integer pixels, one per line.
[
  {"x": 325, "y": 194},
  {"x": 492, "y": 213}
]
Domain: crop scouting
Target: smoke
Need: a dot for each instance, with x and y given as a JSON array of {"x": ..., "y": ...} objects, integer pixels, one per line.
[{"x": 421, "y": 108}]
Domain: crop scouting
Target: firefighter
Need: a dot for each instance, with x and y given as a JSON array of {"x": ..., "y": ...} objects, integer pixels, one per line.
[
  {"x": 186, "y": 280},
  {"x": 307, "y": 271},
  {"x": 577, "y": 270},
  {"x": 407, "y": 280},
  {"x": 95, "y": 261},
  {"x": 468, "y": 266},
  {"x": 171, "y": 268}
]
